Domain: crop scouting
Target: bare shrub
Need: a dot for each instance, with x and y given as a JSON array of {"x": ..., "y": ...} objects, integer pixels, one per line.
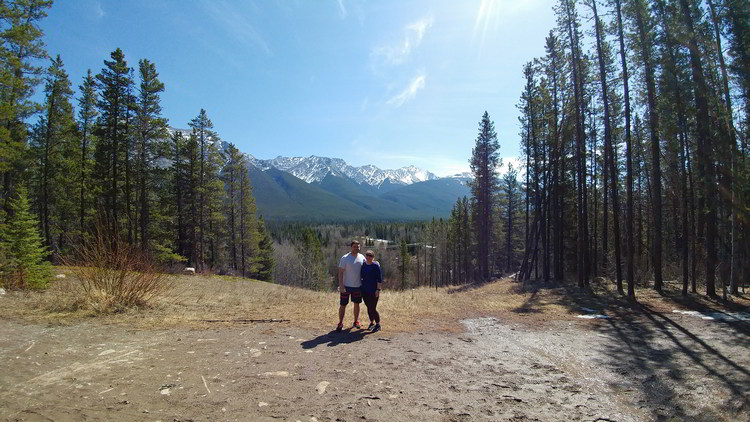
[{"x": 115, "y": 276}]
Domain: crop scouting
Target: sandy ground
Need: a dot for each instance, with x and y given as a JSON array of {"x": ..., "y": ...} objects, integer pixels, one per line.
[{"x": 645, "y": 366}]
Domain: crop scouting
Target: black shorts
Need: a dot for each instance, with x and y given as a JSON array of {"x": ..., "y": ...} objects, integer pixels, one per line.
[{"x": 355, "y": 292}]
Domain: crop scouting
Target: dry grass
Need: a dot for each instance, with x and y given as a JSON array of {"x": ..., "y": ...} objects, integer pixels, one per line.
[{"x": 195, "y": 299}]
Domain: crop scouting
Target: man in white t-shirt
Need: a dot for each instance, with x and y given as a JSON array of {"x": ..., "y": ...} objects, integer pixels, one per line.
[{"x": 350, "y": 283}]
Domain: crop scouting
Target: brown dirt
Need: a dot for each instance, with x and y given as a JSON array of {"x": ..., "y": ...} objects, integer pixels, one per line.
[{"x": 495, "y": 352}]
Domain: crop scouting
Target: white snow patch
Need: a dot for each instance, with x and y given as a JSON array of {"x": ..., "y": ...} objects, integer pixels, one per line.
[
  {"x": 593, "y": 316},
  {"x": 716, "y": 316}
]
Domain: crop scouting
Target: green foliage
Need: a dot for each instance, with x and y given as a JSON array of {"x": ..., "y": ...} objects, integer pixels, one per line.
[
  {"x": 403, "y": 262},
  {"x": 23, "y": 262},
  {"x": 54, "y": 147},
  {"x": 264, "y": 262},
  {"x": 312, "y": 266},
  {"x": 20, "y": 51}
]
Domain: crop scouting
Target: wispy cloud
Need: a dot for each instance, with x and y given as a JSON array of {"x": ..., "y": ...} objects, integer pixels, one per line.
[
  {"x": 398, "y": 52},
  {"x": 236, "y": 23},
  {"x": 99, "y": 10},
  {"x": 342, "y": 9},
  {"x": 409, "y": 93}
]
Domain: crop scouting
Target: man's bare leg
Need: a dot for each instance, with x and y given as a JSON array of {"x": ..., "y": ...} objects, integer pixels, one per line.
[
  {"x": 356, "y": 312},
  {"x": 342, "y": 312}
]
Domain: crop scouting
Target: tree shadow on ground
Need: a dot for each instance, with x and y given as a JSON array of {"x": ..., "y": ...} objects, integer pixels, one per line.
[
  {"x": 676, "y": 366},
  {"x": 334, "y": 338}
]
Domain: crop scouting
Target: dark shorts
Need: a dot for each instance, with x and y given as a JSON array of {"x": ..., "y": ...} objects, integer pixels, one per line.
[{"x": 355, "y": 292}]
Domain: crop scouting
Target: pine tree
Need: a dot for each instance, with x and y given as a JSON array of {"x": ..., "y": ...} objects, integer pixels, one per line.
[
  {"x": 54, "y": 146},
  {"x": 265, "y": 260},
  {"x": 22, "y": 47},
  {"x": 114, "y": 81},
  {"x": 484, "y": 162},
  {"x": 250, "y": 228},
  {"x": 87, "y": 114},
  {"x": 403, "y": 262},
  {"x": 24, "y": 265},
  {"x": 209, "y": 186},
  {"x": 151, "y": 135},
  {"x": 510, "y": 188}
]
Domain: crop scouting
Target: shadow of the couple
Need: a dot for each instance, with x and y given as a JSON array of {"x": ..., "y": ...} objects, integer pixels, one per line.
[{"x": 334, "y": 338}]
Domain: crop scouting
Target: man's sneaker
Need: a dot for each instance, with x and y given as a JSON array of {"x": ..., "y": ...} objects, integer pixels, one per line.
[
  {"x": 340, "y": 327},
  {"x": 356, "y": 325},
  {"x": 376, "y": 328},
  {"x": 369, "y": 327}
]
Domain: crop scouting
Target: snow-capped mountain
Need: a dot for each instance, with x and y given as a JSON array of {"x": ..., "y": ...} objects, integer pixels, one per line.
[{"x": 315, "y": 169}]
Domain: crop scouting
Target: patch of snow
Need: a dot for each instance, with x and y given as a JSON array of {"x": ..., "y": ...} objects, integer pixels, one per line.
[
  {"x": 593, "y": 316},
  {"x": 716, "y": 316},
  {"x": 2, "y": 291}
]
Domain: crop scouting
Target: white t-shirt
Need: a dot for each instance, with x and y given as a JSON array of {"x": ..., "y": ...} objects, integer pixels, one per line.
[{"x": 352, "y": 266}]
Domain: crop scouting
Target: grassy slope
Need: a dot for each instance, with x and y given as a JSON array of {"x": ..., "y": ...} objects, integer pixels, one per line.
[{"x": 194, "y": 299}]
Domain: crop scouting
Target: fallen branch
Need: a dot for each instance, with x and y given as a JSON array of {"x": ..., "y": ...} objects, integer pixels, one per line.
[{"x": 205, "y": 384}]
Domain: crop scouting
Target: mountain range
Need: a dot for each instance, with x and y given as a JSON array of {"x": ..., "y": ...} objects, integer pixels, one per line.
[{"x": 328, "y": 189}]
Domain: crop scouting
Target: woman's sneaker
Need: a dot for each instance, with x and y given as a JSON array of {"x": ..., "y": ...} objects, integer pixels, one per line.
[
  {"x": 369, "y": 327},
  {"x": 376, "y": 328}
]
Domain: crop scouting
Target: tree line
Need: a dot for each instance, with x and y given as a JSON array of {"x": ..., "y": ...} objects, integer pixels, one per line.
[
  {"x": 112, "y": 163},
  {"x": 634, "y": 132}
]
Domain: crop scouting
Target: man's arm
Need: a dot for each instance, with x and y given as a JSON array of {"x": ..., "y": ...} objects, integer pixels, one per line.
[{"x": 341, "y": 279}]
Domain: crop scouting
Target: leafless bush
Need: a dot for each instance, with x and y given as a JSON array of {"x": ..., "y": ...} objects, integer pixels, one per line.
[{"x": 115, "y": 275}]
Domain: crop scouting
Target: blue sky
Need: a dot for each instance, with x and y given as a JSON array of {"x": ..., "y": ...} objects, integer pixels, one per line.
[{"x": 390, "y": 83}]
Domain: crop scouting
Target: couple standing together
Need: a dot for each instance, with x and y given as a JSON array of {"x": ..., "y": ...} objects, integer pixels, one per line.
[{"x": 360, "y": 278}]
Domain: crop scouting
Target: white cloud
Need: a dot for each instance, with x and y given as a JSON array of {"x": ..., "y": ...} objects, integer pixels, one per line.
[
  {"x": 235, "y": 22},
  {"x": 397, "y": 53},
  {"x": 342, "y": 9},
  {"x": 99, "y": 10},
  {"x": 409, "y": 93}
]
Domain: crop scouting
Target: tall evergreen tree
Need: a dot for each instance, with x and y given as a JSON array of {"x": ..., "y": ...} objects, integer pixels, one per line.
[
  {"x": 54, "y": 149},
  {"x": 151, "y": 136},
  {"x": 265, "y": 264},
  {"x": 114, "y": 81},
  {"x": 484, "y": 186},
  {"x": 87, "y": 114},
  {"x": 22, "y": 46}
]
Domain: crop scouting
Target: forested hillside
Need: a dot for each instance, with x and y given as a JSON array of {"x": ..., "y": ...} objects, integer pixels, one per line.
[{"x": 104, "y": 161}]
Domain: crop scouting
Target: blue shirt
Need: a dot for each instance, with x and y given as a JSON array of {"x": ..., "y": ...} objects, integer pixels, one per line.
[{"x": 371, "y": 276}]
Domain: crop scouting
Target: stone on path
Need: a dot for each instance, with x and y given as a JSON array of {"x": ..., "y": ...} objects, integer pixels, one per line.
[{"x": 322, "y": 386}]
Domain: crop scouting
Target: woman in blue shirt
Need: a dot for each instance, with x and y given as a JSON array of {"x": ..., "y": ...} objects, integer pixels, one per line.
[{"x": 372, "y": 278}]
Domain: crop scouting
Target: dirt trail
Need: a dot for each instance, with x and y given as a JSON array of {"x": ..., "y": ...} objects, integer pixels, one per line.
[{"x": 673, "y": 367}]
